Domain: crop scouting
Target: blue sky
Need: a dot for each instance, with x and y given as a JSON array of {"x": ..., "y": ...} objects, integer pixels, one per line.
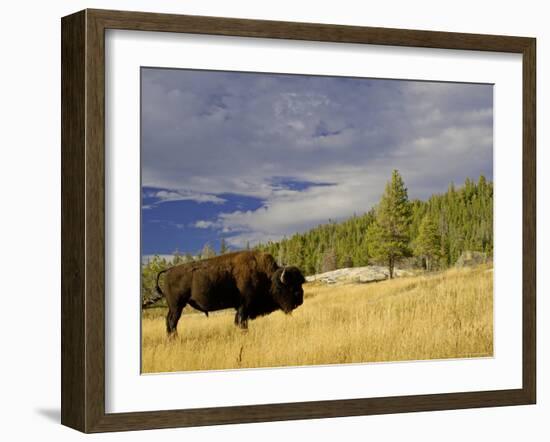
[{"x": 250, "y": 157}]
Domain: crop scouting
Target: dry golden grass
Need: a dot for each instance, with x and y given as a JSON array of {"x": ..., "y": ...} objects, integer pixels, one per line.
[{"x": 436, "y": 316}]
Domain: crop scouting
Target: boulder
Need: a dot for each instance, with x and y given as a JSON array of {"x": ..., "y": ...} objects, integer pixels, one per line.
[
  {"x": 470, "y": 258},
  {"x": 361, "y": 275}
]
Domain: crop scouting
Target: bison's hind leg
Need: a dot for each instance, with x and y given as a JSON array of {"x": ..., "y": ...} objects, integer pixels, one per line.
[{"x": 172, "y": 319}]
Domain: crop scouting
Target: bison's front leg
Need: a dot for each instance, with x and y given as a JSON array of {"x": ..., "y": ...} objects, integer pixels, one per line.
[{"x": 241, "y": 318}]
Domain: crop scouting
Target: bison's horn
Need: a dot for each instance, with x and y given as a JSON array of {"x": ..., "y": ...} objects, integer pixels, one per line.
[{"x": 283, "y": 275}]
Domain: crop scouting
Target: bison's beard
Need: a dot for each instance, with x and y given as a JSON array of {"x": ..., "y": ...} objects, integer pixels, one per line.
[
  {"x": 287, "y": 303},
  {"x": 288, "y": 308},
  {"x": 285, "y": 306}
]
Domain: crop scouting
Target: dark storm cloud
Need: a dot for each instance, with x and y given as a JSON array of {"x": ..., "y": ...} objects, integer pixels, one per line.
[{"x": 212, "y": 133}]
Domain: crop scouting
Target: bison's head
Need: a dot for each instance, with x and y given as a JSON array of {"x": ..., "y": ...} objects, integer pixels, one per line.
[{"x": 287, "y": 288}]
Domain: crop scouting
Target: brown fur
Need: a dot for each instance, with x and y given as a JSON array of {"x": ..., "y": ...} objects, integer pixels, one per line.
[{"x": 249, "y": 282}]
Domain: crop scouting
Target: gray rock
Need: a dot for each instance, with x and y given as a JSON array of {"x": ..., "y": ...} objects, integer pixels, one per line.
[
  {"x": 471, "y": 259},
  {"x": 361, "y": 275}
]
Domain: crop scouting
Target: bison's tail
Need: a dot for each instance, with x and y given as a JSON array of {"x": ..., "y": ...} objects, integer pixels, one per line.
[{"x": 158, "y": 292}]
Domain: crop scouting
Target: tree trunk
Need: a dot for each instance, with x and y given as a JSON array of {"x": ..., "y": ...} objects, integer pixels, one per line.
[{"x": 390, "y": 267}]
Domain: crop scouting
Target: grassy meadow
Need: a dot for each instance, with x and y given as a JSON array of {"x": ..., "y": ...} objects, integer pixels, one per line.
[{"x": 432, "y": 316}]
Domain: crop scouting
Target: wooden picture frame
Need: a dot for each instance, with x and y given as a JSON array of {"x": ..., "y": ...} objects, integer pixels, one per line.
[{"x": 83, "y": 220}]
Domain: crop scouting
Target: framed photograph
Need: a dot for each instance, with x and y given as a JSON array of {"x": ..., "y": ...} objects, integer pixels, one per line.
[{"x": 267, "y": 221}]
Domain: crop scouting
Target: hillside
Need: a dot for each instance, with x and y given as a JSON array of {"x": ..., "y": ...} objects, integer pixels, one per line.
[{"x": 463, "y": 217}]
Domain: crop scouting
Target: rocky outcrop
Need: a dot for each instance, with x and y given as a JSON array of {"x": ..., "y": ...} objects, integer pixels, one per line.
[
  {"x": 471, "y": 259},
  {"x": 357, "y": 275}
]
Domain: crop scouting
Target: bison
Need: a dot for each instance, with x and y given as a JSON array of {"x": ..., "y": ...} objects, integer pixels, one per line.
[{"x": 251, "y": 282}]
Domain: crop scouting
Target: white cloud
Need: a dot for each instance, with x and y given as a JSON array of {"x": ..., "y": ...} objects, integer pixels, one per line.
[
  {"x": 164, "y": 196},
  {"x": 359, "y": 188},
  {"x": 203, "y": 224},
  {"x": 283, "y": 215},
  {"x": 206, "y": 134}
]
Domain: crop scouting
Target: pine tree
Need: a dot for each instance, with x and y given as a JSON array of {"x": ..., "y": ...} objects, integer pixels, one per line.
[
  {"x": 207, "y": 252},
  {"x": 223, "y": 247},
  {"x": 149, "y": 274},
  {"x": 389, "y": 234},
  {"x": 428, "y": 243},
  {"x": 330, "y": 261},
  {"x": 347, "y": 261},
  {"x": 177, "y": 257},
  {"x": 281, "y": 254}
]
